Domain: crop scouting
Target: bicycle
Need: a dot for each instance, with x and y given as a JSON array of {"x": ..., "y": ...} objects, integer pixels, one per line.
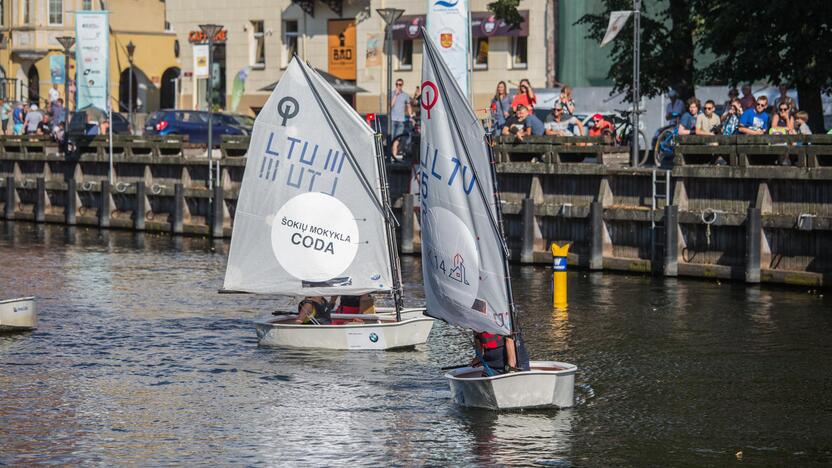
[
  {"x": 624, "y": 133},
  {"x": 664, "y": 149}
]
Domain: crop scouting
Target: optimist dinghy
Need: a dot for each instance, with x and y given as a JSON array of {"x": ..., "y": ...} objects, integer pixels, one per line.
[
  {"x": 465, "y": 258},
  {"x": 18, "y": 314},
  {"x": 313, "y": 218}
]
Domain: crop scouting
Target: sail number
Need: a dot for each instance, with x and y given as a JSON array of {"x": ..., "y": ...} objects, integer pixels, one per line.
[{"x": 458, "y": 173}]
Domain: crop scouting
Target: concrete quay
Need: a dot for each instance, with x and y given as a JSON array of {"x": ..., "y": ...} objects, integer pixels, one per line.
[{"x": 753, "y": 220}]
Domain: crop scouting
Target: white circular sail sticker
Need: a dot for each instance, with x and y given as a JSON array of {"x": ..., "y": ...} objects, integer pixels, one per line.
[
  {"x": 314, "y": 237},
  {"x": 452, "y": 257}
]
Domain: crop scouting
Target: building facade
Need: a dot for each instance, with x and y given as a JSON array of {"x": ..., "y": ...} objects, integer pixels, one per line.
[
  {"x": 344, "y": 39},
  {"x": 28, "y": 40}
]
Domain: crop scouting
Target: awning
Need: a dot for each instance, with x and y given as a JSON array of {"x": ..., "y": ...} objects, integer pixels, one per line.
[
  {"x": 342, "y": 86},
  {"x": 483, "y": 24}
]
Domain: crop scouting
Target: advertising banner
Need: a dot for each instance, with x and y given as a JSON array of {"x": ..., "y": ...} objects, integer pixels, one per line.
[
  {"x": 56, "y": 69},
  {"x": 92, "y": 56},
  {"x": 447, "y": 25},
  {"x": 374, "y": 50},
  {"x": 201, "y": 61},
  {"x": 342, "y": 49}
]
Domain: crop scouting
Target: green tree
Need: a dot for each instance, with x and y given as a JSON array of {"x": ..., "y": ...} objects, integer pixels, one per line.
[
  {"x": 667, "y": 46},
  {"x": 779, "y": 42}
]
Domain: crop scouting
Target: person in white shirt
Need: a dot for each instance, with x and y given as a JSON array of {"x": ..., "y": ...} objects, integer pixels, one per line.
[
  {"x": 675, "y": 108},
  {"x": 54, "y": 94}
]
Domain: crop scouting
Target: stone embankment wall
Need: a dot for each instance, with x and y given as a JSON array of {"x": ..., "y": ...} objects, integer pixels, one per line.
[{"x": 753, "y": 219}]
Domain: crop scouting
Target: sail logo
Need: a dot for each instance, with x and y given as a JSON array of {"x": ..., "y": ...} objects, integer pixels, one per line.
[
  {"x": 287, "y": 108},
  {"x": 446, "y": 3},
  {"x": 458, "y": 270},
  {"x": 311, "y": 167},
  {"x": 429, "y": 103}
]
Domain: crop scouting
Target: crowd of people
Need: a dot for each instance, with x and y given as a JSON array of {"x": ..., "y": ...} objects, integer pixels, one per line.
[
  {"x": 746, "y": 115},
  {"x": 28, "y": 118}
]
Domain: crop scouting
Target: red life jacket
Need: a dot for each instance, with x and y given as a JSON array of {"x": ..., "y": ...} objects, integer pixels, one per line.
[
  {"x": 350, "y": 305},
  {"x": 491, "y": 341}
]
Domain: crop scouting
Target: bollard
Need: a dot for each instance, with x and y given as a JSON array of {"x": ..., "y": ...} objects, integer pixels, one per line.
[
  {"x": 753, "y": 231},
  {"x": 559, "y": 262},
  {"x": 671, "y": 240},
  {"x": 104, "y": 205},
  {"x": 407, "y": 223},
  {"x": 40, "y": 201},
  {"x": 527, "y": 250},
  {"x": 71, "y": 206},
  {"x": 596, "y": 244},
  {"x": 140, "y": 207},
  {"x": 10, "y": 198},
  {"x": 217, "y": 213},
  {"x": 178, "y": 208}
]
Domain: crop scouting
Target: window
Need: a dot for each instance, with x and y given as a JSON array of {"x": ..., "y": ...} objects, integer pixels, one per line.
[
  {"x": 480, "y": 52},
  {"x": 56, "y": 11},
  {"x": 519, "y": 52},
  {"x": 290, "y": 41},
  {"x": 86, "y": 5},
  {"x": 2, "y": 11},
  {"x": 404, "y": 55},
  {"x": 257, "y": 45},
  {"x": 27, "y": 8}
]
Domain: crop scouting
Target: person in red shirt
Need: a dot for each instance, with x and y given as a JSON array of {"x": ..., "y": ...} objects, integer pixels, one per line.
[
  {"x": 600, "y": 126},
  {"x": 525, "y": 96}
]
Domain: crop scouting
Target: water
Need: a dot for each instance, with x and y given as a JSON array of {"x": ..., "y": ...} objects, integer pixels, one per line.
[{"x": 138, "y": 360}]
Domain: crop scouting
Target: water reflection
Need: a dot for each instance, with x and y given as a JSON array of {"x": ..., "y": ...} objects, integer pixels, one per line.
[{"x": 137, "y": 359}]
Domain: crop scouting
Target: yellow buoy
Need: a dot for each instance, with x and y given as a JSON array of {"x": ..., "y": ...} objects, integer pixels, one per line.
[{"x": 559, "y": 261}]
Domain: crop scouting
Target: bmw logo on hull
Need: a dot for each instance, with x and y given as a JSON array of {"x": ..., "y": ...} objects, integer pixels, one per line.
[{"x": 373, "y": 337}]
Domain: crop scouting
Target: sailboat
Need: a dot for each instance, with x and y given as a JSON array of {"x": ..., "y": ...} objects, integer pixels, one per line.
[
  {"x": 313, "y": 218},
  {"x": 464, "y": 253}
]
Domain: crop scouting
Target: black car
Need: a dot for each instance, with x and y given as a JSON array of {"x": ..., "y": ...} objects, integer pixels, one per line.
[{"x": 84, "y": 126}]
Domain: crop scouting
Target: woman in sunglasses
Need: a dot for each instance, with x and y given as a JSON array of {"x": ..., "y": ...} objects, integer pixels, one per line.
[
  {"x": 525, "y": 96},
  {"x": 782, "y": 123}
]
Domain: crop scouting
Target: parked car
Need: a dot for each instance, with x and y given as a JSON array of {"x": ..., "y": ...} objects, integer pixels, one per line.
[
  {"x": 83, "y": 127},
  {"x": 194, "y": 124},
  {"x": 241, "y": 120}
]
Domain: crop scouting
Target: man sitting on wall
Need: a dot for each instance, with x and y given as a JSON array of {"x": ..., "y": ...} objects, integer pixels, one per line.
[{"x": 523, "y": 123}]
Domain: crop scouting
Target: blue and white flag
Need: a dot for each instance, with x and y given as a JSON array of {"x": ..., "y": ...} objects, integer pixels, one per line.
[
  {"x": 447, "y": 25},
  {"x": 92, "y": 58}
]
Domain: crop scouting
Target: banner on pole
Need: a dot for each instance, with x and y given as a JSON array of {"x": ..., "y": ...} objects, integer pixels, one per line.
[
  {"x": 201, "y": 61},
  {"x": 447, "y": 25},
  {"x": 92, "y": 56},
  {"x": 617, "y": 21},
  {"x": 56, "y": 69}
]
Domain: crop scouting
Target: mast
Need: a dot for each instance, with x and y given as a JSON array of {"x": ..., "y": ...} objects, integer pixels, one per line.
[
  {"x": 389, "y": 220},
  {"x": 497, "y": 224}
]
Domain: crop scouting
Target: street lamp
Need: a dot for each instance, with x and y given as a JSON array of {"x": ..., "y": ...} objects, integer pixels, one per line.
[
  {"x": 389, "y": 15},
  {"x": 636, "y": 79},
  {"x": 66, "y": 42},
  {"x": 210, "y": 31},
  {"x": 131, "y": 49}
]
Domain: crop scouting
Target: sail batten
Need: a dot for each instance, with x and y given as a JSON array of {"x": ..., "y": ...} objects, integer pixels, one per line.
[
  {"x": 463, "y": 252},
  {"x": 309, "y": 220}
]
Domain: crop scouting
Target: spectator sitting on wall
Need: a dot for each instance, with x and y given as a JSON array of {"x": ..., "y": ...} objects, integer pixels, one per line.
[
  {"x": 801, "y": 123},
  {"x": 784, "y": 98},
  {"x": 782, "y": 123},
  {"x": 675, "y": 108},
  {"x": 732, "y": 94},
  {"x": 731, "y": 117},
  {"x": 747, "y": 98},
  {"x": 556, "y": 125},
  {"x": 687, "y": 124},
  {"x": 104, "y": 127},
  {"x": 18, "y": 118},
  {"x": 600, "y": 126},
  {"x": 523, "y": 123},
  {"x": 707, "y": 123},
  {"x": 566, "y": 101},
  {"x": 755, "y": 121},
  {"x": 58, "y": 111}
]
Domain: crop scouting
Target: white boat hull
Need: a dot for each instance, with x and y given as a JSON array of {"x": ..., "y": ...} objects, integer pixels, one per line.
[
  {"x": 549, "y": 384},
  {"x": 18, "y": 314},
  {"x": 411, "y": 331}
]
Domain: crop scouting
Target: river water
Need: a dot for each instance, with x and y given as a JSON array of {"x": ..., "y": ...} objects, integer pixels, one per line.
[{"x": 139, "y": 360}]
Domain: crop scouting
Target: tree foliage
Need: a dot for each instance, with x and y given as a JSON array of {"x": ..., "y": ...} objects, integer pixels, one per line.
[{"x": 507, "y": 11}]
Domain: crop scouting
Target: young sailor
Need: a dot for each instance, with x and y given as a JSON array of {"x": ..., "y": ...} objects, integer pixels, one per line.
[
  {"x": 499, "y": 353},
  {"x": 314, "y": 310},
  {"x": 354, "y": 305}
]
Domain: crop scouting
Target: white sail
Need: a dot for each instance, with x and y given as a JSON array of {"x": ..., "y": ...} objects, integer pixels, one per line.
[
  {"x": 309, "y": 218},
  {"x": 462, "y": 247}
]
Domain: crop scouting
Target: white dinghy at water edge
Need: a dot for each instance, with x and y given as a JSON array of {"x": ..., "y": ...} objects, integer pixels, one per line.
[
  {"x": 465, "y": 256},
  {"x": 380, "y": 331},
  {"x": 314, "y": 218},
  {"x": 549, "y": 384},
  {"x": 18, "y": 314}
]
